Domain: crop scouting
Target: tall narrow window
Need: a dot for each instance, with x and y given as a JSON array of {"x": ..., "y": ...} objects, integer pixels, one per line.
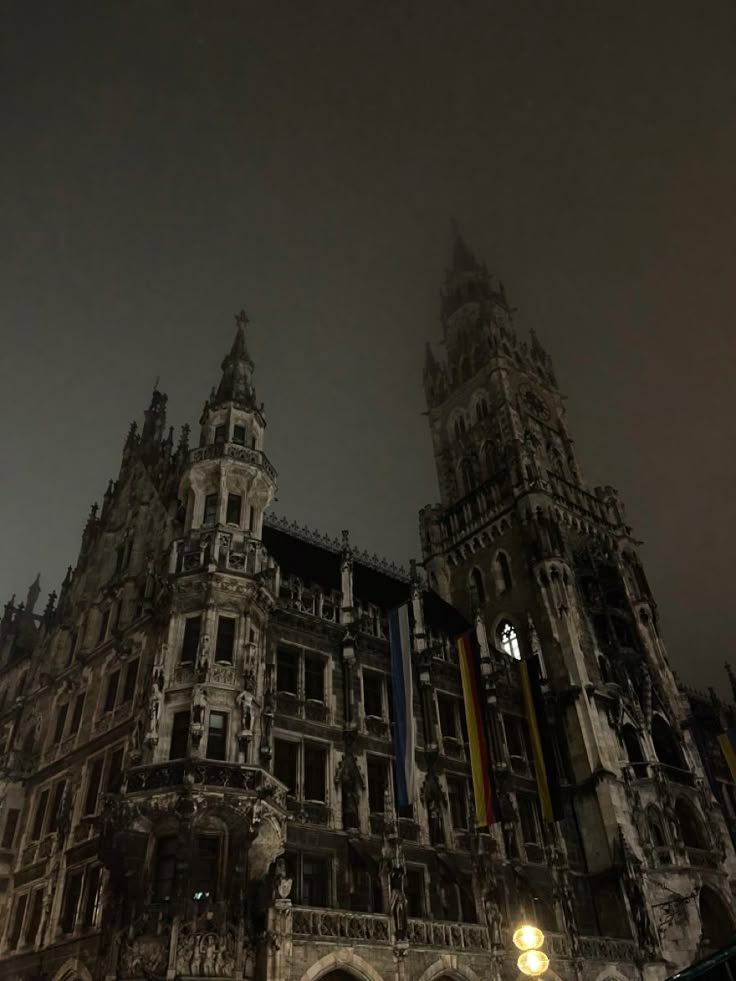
[
  {"x": 20, "y": 912},
  {"x": 503, "y": 572},
  {"x": 217, "y": 736},
  {"x": 210, "y": 509},
  {"x": 56, "y": 806},
  {"x": 415, "y": 892},
  {"x": 61, "y": 713},
  {"x": 39, "y": 816},
  {"x": 34, "y": 918},
  {"x": 93, "y": 786},
  {"x": 72, "y": 892},
  {"x": 509, "y": 640},
  {"x": 285, "y": 765},
  {"x": 164, "y": 869},
  {"x": 179, "y": 736},
  {"x": 287, "y": 671},
  {"x": 91, "y": 896},
  {"x": 225, "y": 639},
  {"x": 131, "y": 676},
  {"x": 112, "y": 692},
  {"x": 234, "y": 508},
  {"x": 315, "y": 765},
  {"x": 314, "y": 678},
  {"x": 114, "y": 772},
  {"x": 373, "y": 694},
  {"x": 377, "y": 768},
  {"x": 446, "y": 709},
  {"x": 477, "y": 588},
  {"x": 221, "y": 434},
  {"x": 467, "y": 476},
  {"x": 192, "y": 628},
  {"x": 458, "y": 803},
  {"x": 77, "y": 714},
  {"x": 315, "y": 880},
  {"x": 206, "y": 867},
  {"x": 11, "y": 823},
  {"x": 239, "y": 435}
]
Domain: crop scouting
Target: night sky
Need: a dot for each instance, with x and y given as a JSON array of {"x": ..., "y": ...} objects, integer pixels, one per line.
[{"x": 164, "y": 164}]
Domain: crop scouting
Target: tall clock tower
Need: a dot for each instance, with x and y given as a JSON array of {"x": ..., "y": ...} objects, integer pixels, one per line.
[{"x": 550, "y": 566}]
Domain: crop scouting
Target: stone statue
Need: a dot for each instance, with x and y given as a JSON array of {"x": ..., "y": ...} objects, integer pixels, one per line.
[
  {"x": 245, "y": 701},
  {"x": 203, "y": 657},
  {"x": 199, "y": 704},
  {"x": 398, "y": 901}
]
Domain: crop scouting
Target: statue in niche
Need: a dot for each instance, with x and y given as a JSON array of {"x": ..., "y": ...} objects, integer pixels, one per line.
[
  {"x": 350, "y": 780},
  {"x": 398, "y": 900},
  {"x": 245, "y": 701},
  {"x": 203, "y": 657}
]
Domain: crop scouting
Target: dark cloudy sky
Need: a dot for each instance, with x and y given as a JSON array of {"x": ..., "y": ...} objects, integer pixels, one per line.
[{"x": 163, "y": 164}]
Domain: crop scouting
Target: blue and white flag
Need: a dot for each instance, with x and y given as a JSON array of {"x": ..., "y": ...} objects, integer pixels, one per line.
[{"x": 403, "y": 690}]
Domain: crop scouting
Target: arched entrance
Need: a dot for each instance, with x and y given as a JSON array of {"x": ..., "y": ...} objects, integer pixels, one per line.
[{"x": 717, "y": 922}]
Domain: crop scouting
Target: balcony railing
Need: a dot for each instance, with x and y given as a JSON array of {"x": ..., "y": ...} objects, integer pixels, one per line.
[
  {"x": 339, "y": 925},
  {"x": 233, "y": 451},
  {"x": 440, "y": 933},
  {"x": 211, "y": 773}
]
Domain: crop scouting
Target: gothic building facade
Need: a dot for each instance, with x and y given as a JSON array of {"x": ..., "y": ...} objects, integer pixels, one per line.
[{"x": 196, "y": 757}]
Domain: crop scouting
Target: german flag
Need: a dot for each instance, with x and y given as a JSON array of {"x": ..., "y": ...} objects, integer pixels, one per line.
[
  {"x": 545, "y": 769},
  {"x": 480, "y": 763}
]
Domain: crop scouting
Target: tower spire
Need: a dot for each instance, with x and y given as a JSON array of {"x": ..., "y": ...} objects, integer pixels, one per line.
[
  {"x": 237, "y": 369},
  {"x": 463, "y": 259}
]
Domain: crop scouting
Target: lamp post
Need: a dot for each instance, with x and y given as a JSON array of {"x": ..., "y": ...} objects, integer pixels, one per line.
[{"x": 532, "y": 960}]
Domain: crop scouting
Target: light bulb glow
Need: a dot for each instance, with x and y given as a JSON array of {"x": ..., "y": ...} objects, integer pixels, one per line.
[
  {"x": 533, "y": 963},
  {"x": 528, "y": 937}
]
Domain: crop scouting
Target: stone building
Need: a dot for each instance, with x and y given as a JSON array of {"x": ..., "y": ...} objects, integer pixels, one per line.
[{"x": 196, "y": 765}]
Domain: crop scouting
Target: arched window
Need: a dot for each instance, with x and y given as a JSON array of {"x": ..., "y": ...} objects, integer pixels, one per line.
[
  {"x": 656, "y": 831},
  {"x": 503, "y": 572},
  {"x": 467, "y": 476},
  {"x": 666, "y": 745},
  {"x": 508, "y": 640},
  {"x": 717, "y": 923},
  {"x": 632, "y": 745},
  {"x": 477, "y": 588},
  {"x": 459, "y": 427},
  {"x": 691, "y": 827}
]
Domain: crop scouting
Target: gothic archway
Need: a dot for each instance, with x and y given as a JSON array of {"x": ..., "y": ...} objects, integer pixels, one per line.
[
  {"x": 72, "y": 970},
  {"x": 717, "y": 921},
  {"x": 341, "y": 964}
]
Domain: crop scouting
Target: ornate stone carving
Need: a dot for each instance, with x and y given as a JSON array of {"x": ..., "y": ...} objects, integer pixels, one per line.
[{"x": 209, "y": 955}]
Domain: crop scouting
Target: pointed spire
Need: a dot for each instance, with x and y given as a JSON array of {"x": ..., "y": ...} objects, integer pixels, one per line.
[
  {"x": 155, "y": 419},
  {"x": 237, "y": 369},
  {"x": 34, "y": 591},
  {"x": 463, "y": 259}
]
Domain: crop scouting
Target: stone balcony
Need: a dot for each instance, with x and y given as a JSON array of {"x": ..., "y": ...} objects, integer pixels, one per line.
[
  {"x": 219, "y": 548},
  {"x": 170, "y": 775},
  {"x": 233, "y": 451}
]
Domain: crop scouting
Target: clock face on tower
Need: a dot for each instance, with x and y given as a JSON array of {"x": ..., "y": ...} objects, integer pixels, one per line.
[{"x": 533, "y": 402}]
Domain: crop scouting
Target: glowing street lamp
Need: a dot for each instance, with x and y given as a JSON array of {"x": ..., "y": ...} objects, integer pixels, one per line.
[{"x": 532, "y": 962}]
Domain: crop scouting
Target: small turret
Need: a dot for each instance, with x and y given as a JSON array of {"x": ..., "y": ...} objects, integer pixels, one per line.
[
  {"x": 34, "y": 590},
  {"x": 237, "y": 370}
]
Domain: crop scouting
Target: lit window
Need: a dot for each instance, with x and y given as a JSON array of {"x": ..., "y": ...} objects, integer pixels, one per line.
[{"x": 509, "y": 640}]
